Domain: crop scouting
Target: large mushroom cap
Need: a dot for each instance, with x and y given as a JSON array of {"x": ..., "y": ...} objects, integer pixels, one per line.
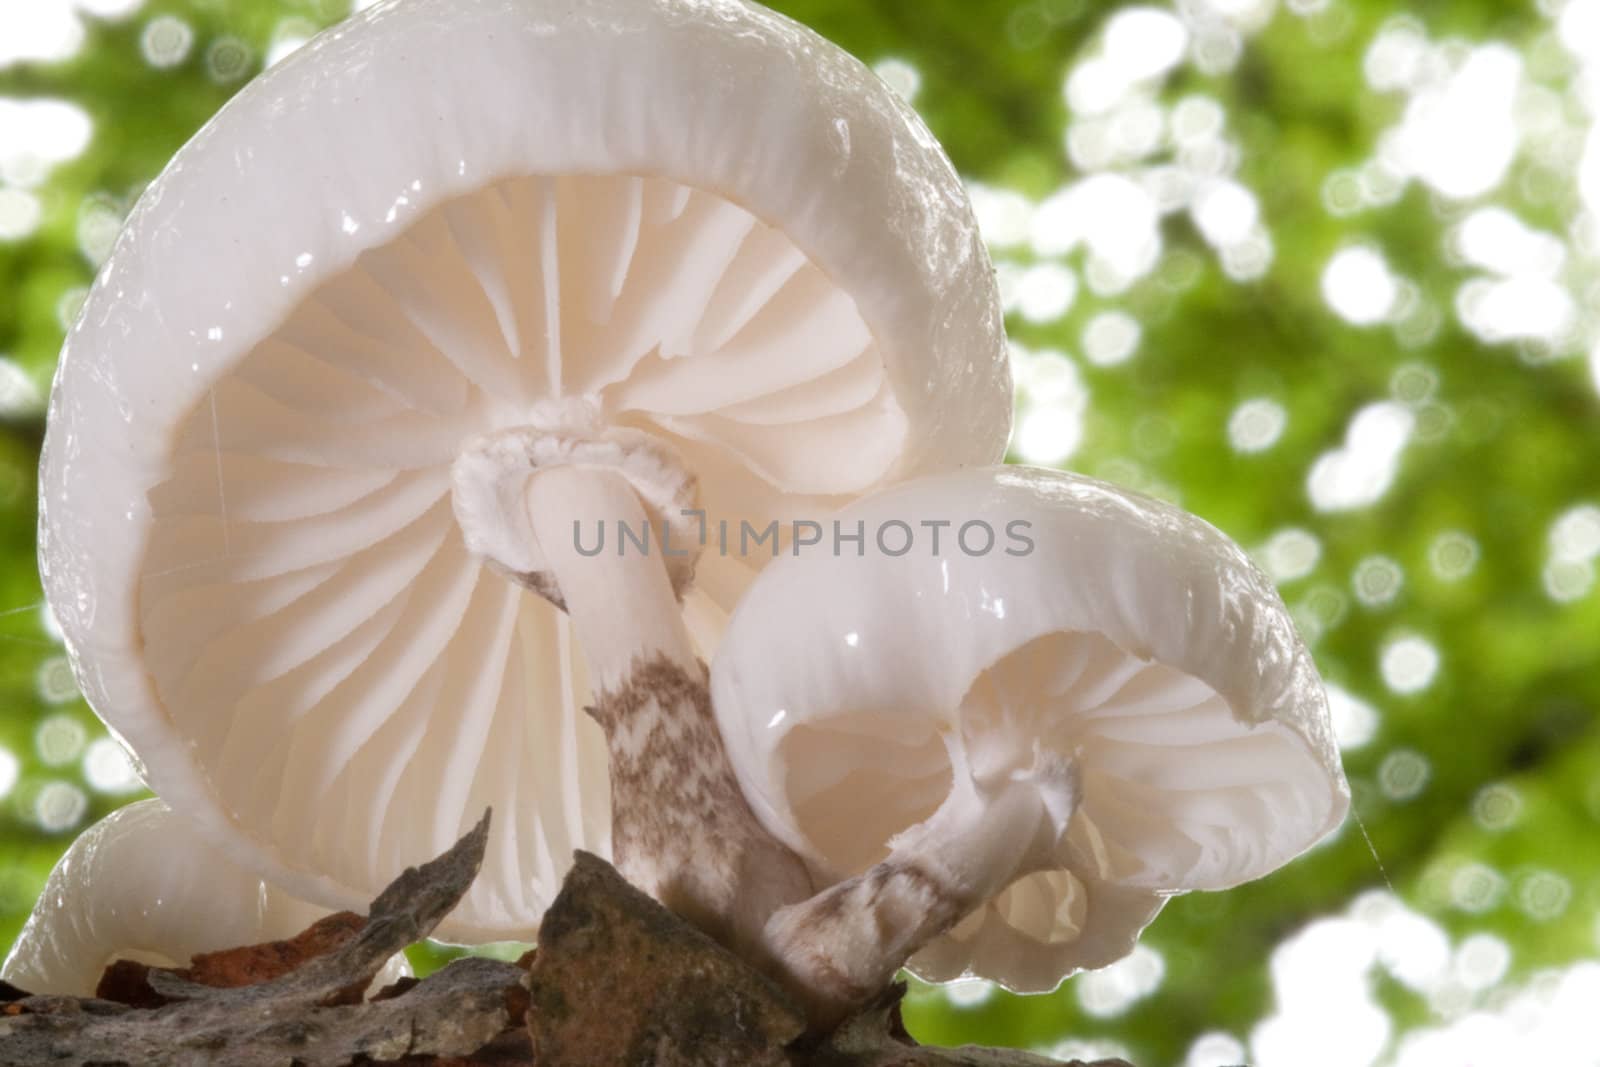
[
  {"x": 443, "y": 218},
  {"x": 138, "y": 885},
  {"x": 1124, "y": 634}
]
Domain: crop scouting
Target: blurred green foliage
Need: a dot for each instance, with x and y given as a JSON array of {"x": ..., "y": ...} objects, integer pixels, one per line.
[{"x": 1505, "y": 443}]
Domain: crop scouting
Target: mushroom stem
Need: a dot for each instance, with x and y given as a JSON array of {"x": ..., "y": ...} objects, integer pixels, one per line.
[
  {"x": 844, "y": 945},
  {"x": 681, "y": 827},
  {"x": 618, "y": 595}
]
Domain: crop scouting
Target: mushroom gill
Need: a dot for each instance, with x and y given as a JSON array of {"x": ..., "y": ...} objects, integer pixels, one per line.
[{"x": 355, "y": 684}]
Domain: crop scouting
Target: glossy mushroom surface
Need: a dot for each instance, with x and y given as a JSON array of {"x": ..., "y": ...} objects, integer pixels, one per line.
[
  {"x": 441, "y": 220},
  {"x": 139, "y": 885},
  {"x": 1061, "y": 619}
]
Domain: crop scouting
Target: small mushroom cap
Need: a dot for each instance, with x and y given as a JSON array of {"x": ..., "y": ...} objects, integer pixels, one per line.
[
  {"x": 139, "y": 884},
  {"x": 694, "y": 218},
  {"x": 1120, "y": 631}
]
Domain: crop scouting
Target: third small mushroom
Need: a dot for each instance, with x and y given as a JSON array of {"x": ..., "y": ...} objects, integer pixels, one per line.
[{"x": 372, "y": 465}]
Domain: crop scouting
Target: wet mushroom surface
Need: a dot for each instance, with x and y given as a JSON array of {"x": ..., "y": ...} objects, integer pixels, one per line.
[
  {"x": 300, "y": 504},
  {"x": 1001, "y": 754},
  {"x": 306, "y": 597}
]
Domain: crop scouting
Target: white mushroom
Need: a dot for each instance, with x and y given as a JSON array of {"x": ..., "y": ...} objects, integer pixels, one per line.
[
  {"x": 658, "y": 251},
  {"x": 1078, "y": 702},
  {"x": 137, "y": 885}
]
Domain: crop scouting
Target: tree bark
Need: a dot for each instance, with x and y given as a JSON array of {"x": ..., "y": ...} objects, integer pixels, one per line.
[{"x": 616, "y": 981}]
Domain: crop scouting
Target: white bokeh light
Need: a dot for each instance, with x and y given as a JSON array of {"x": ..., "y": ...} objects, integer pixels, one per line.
[
  {"x": 1355, "y": 722},
  {"x": 1548, "y": 1021},
  {"x": 1575, "y": 534},
  {"x": 37, "y": 135},
  {"x": 1377, "y": 581},
  {"x": 1589, "y": 170},
  {"x": 1049, "y": 434},
  {"x": 1397, "y": 55},
  {"x": 1494, "y": 239},
  {"x": 228, "y": 59},
  {"x": 1225, "y": 212},
  {"x": 1325, "y": 1014},
  {"x": 1257, "y": 424},
  {"x": 19, "y": 395},
  {"x": 288, "y": 37},
  {"x": 1453, "y": 555},
  {"x": 1359, "y": 286},
  {"x": 1248, "y": 258},
  {"x": 1095, "y": 86},
  {"x": 59, "y": 806},
  {"x": 107, "y": 768},
  {"x": 48, "y": 31},
  {"x": 166, "y": 41},
  {"x": 1114, "y": 216},
  {"x": 1360, "y": 472},
  {"x": 54, "y": 682},
  {"x": 43, "y": 31},
  {"x": 1526, "y": 307},
  {"x": 1045, "y": 292},
  {"x": 10, "y": 769},
  {"x": 1413, "y": 948},
  {"x": 1579, "y": 28},
  {"x": 1004, "y": 215},
  {"x": 1216, "y": 1049},
  {"x": 1481, "y": 962},
  {"x": 1197, "y": 120},
  {"x": 901, "y": 76},
  {"x": 1574, "y": 546},
  {"x": 99, "y": 222},
  {"x": 1497, "y": 807},
  {"x": 49, "y": 623},
  {"x": 1408, "y": 664},
  {"x": 1290, "y": 554},
  {"x": 1460, "y": 134},
  {"x": 282, "y": 48},
  {"x": 1414, "y": 384},
  {"x": 1404, "y": 774},
  {"x": 1145, "y": 42},
  {"x": 1054, "y": 227},
  {"x": 1323, "y": 608},
  {"x": 1477, "y": 887},
  {"x": 1543, "y": 895},
  {"x": 1217, "y": 47},
  {"x": 1568, "y": 580},
  {"x": 109, "y": 9},
  {"x": 59, "y": 739},
  {"x": 1086, "y": 1050},
  {"x": 1049, "y": 427},
  {"x": 1111, "y": 991},
  {"x": 1111, "y": 337},
  {"x": 20, "y": 214},
  {"x": 969, "y": 992},
  {"x": 1135, "y": 128}
]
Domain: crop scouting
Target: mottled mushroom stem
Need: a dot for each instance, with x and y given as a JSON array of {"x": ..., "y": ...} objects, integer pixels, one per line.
[
  {"x": 844, "y": 945},
  {"x": 681, "y": 827}
]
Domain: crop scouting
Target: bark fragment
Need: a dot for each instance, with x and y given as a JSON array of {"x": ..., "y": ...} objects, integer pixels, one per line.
[
  {"x": 302, "y": 1017},
  {"x": 617, "y": 981}
]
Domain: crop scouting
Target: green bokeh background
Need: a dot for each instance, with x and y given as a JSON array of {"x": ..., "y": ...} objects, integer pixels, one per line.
[{"x": 1506, "y": 443}]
